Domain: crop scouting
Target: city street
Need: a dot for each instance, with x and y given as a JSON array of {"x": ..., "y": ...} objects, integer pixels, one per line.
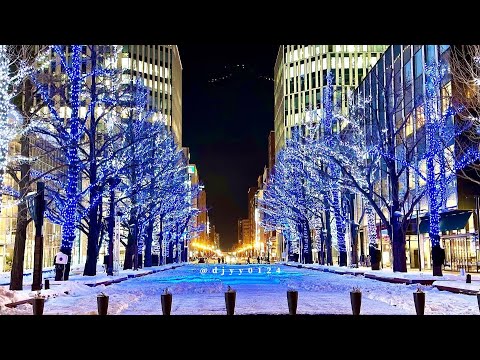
[{"x": 261, "y": 289}]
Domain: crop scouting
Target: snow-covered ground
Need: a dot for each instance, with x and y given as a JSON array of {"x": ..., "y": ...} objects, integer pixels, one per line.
[{"x": 261, "y": 289}]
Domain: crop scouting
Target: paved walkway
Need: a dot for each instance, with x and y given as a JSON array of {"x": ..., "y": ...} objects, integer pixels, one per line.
[{"x": 453, "y": 282}]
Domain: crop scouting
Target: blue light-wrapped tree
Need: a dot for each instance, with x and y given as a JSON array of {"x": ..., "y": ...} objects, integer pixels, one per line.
[
  {"x": 79, "y": 96},
  {"x": 13, "y": 70},
  {"x": 373, "y": 153},
  {"x": 68, "y": 132},
  {"x": 22, "y": 168},
  {"x": 443, "y": 156}
]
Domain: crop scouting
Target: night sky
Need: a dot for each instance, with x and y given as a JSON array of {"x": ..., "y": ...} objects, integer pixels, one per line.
[{"x": 226, "y": 123}]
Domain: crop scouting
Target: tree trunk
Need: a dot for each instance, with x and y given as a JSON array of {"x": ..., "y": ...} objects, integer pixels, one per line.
[
  {"x": 438, "y": 257},
  {"x": 130, "y": 249},
  {"x": 398, "y": 246},
  {"x": 321, "y": 251},
  {"x": 111, "y": 230},
  {"x": 375, "y": 256},
  {"x": 337, "y": 210},
  {"x": 92, "y": 244},
  {"x": 161, "y": 259},
  {"x": 170, "y": 252},
  {"x": 328, "y": 242},
  {"x": 148, "y": 244},
  {"x": 16, "y": 275},
  {"x": 307, "y": 242},
  {"x": 93, "y": 215}
]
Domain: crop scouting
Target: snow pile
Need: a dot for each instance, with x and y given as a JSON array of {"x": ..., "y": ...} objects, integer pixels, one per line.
[{"x": 9, "y": 296}]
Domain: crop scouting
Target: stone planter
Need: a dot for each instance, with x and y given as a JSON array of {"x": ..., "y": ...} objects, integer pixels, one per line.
[
  {"x": 38, "y": 305},
  {"x": 356, "y": 301},
  {"x": 292, "y": 299},
  {"x": 166, "y": 303},
  {"x": 419, "y": 299},
  {"x": 230, "y": 296},
  {"x": 102, "y": 304}
]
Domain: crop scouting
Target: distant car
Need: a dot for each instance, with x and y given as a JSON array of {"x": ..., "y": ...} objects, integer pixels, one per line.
[{"x": 201, "y": 260}]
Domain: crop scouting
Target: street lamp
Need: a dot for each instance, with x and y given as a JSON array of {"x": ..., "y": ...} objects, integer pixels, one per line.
[{"x": 36, "y": 207}]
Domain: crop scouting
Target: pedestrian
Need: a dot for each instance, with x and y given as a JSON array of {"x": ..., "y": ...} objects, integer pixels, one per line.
[
  {"x": 248, "y": 260},
  {"x": 258, "y": 259}
]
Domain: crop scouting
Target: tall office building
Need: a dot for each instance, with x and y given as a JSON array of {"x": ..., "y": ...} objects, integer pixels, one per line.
[
  {"x": 161, "y": 70},
  {"x": 300, "y": 77},
  {"x": 459, "y": 215}
]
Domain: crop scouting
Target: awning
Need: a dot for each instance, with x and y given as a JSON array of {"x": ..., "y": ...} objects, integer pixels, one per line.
[{"x": 451, "y": 220}]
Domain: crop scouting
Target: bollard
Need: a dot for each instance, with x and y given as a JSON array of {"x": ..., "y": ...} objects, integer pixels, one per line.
[
  {"x": 292, "y": 299},
  {"x": 47, "y": 284},
  {"x": 469, "y": 279}
]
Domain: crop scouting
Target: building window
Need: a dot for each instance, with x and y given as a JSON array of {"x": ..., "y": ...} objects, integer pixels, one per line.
[
  {"x": 420, "y": 117},
  {"x": 408, "y": 125},
  {"x": 418, "y": 63},
  {"x": 346, "y": 79},
  {"x": 397, "y": 49},
  {"x": 443, "y": 48},
  {"x": 430, "y": 58},
  {"x": 407, "y": 73}
]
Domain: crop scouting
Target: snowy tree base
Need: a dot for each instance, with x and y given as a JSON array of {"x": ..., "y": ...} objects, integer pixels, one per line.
[{"x": 437, "y": 270}]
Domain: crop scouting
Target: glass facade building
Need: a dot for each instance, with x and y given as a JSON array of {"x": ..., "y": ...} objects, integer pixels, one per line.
[
  {"x": 300, "y": 77},
  {"x": 403, "y": 68}
]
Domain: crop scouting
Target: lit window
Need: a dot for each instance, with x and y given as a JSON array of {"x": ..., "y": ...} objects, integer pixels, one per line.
[
  {"x": 338, "y": 48},
  {"x": 306, "y": 52},
  {"x": 373, "y": 60},
  {"x": 351, "y": 48},
  {"x": 446, "y": 93},
  {"x": 302, "y": 69},
  {"x": 360, "y": 61},
  {"x": 324, "y": 63},
  {"x": 295, "y": 55},
  {"x": 452, "y": 202},
  {"x": 423, "y": 172},
  {"x": 346, "y": 62},
  {"x": 313, "y": 66},
  {"x": 332, "y": 62},
  {"x": 408, "y": 125},
  {"x": 126, "y": 63},
  {"x": 364, "y": 47},
  {"x": 420, "y": 117}
]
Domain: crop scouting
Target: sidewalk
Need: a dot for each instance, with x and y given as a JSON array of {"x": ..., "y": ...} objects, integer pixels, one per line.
[
  {"x": 76, "y": 284},
  {"x": 452, "y": 282}
]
